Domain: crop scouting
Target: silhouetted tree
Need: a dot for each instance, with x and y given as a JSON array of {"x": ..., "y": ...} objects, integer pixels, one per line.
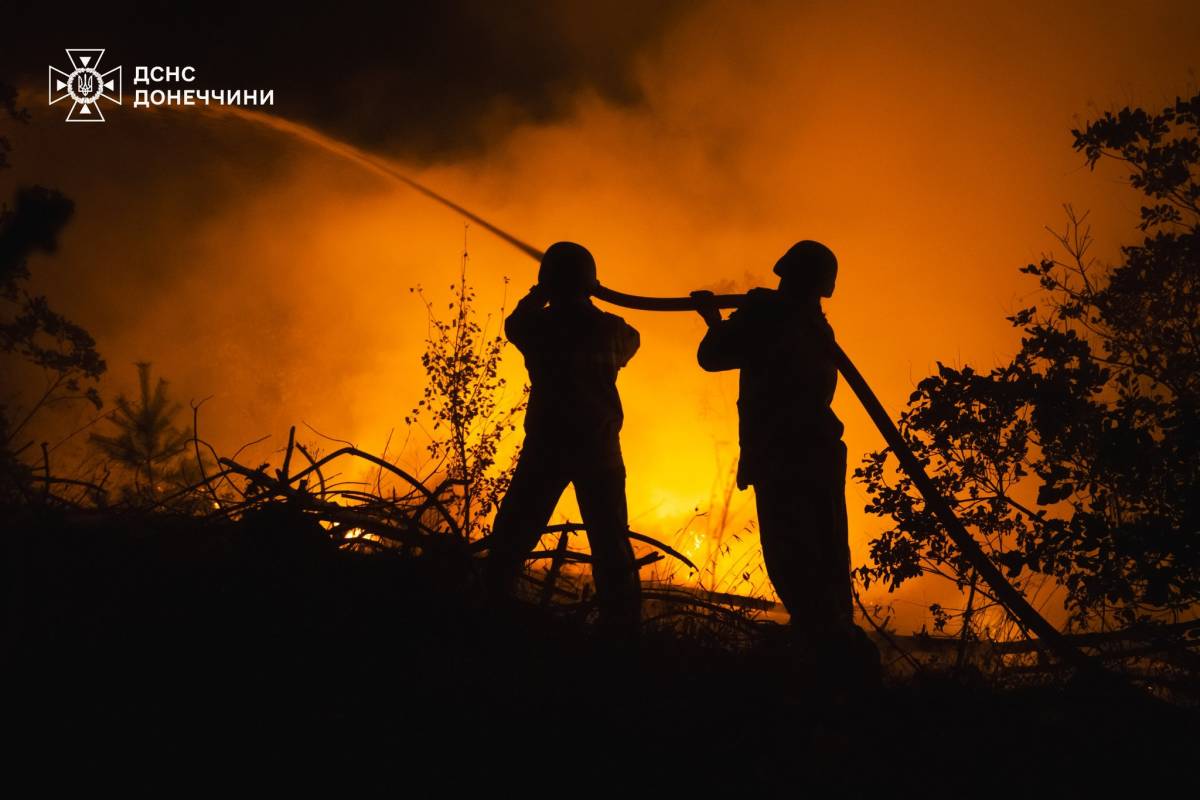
[
  {"x": 1078, "y": 461},
  {"x": 464, "y": 402},
  {"x": 147, "y": 444},
  {"x": 30, "y": 330},
  {"x": 8, "y": 104}
]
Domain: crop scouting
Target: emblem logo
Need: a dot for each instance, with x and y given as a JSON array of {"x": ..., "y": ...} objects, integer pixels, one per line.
[{"x": 85, "y": 85}]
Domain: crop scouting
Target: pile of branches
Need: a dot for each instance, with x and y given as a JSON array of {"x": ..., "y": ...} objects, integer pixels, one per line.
[
  {"x": 410, "y": 519},
  {"x": 415, "y": 520},
  {"x": 1163, "y": 658}
]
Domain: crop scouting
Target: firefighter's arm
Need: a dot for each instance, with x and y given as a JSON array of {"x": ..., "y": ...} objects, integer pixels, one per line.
[
  {"x": 719, "y": 349},
  {"x": 628, "y": 342},
  {"x": 706, "y": 307},
  {"x": 725, "y": 344},
  {"x": 521, "y": 325}
]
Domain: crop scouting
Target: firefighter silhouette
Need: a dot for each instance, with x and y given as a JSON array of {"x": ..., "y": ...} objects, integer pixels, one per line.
[
  {"x": 791, "y": 441},
  {"x": 573, "y": 352}
]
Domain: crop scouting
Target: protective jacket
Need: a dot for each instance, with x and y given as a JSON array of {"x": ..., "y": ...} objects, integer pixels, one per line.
[
  {"x": 786, "y": 384},
  {"x": 573, "y": 354}
]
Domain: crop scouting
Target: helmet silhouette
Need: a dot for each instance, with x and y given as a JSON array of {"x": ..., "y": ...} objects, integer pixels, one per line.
[
  {"x": 568, "y": 269},
  {"x": 810, "y": 264}
]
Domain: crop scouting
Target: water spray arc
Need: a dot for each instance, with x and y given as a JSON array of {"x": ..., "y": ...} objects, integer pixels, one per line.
[{"x": 1047, "y": 635}]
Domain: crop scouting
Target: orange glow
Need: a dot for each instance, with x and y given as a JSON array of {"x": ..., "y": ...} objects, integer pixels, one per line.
[{"x": 928, "y": 153}]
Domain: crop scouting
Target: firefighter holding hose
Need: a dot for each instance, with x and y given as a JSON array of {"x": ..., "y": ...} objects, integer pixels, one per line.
[
  {"x": 791, "y": 442},
  {"x": 573, "y": 352}
]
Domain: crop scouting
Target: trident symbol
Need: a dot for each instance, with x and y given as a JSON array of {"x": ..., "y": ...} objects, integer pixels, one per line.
[{"x": 87, "y": 84}]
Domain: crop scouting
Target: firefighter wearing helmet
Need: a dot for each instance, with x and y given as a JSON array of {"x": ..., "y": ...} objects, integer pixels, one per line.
[
  {"x": 791, "y": 441},
  {"x": 573, "y": 352}
]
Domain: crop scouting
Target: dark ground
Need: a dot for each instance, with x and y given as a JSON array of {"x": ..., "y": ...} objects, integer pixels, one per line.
[{"x": 162, "y": 653}]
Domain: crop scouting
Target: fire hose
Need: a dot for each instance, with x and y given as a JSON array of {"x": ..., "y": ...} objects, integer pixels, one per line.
[
  {"x": 1047, "y": 635},
  {"x": 1001, "y": 587},
  {"x": 1005, "y": 591}
]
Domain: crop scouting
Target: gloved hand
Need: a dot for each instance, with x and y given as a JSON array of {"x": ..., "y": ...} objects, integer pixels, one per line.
[
  {"x": 538, "y": 296},
  {"x": 706, "y": 306}
]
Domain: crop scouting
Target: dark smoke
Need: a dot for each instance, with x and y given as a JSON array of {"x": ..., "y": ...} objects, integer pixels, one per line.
[{"x": 434, "y": 81}]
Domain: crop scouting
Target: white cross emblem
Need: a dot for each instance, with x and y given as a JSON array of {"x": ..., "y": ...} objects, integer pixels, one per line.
[{"x": 85, "y": 85}]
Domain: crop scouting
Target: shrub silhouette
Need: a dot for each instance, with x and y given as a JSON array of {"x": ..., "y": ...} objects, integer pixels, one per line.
[{"x": 1079, "y": 461}]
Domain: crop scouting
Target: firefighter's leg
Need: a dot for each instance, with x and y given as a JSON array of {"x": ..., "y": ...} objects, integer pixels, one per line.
[
  {"x": 803, "y": 526},
  {"x": 833, "y": 591},
  {"x": 822, "y": 491},
  {"x": 852, "y": 654},
  {"x": 790, "y": 551},
  {"x": 537, "y": 483},
  {"x": 600, "y": 489}
]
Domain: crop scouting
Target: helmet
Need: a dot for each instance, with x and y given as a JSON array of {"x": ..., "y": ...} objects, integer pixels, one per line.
[
  {"x": 568, "y": 268},
  {"x": 810, "y": 264}
]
